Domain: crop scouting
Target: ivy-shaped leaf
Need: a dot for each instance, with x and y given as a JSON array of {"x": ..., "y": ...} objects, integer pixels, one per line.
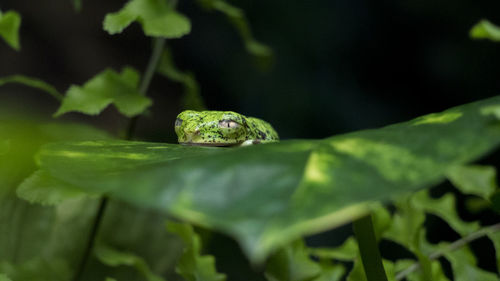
[
  {"x": 193, "y": 266},
  {"x": 463, "y": 263},
  {"x": 107, "y": 87},
  {"x": 192, "y": 98},
  {"x": 444, "y": 208},
  {"x": 292, "y": 263},
  {"x": 157, "y": 17},
  {"x": 485, "y": 30},
  {"x": 41, "y": 188},
  {"x": 114, "y": 257},
  {"x": 474, "y": 179},
  {"x": 237, "y": 17},
  {"x": 330, "y": 272},
  {"x": 9, "y": 28},
  {"x": 32, "y": 82},
  {"x": 348, "y": 251}
]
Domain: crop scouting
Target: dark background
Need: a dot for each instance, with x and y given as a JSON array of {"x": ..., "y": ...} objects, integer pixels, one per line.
[{"x": 339, "y": 66}]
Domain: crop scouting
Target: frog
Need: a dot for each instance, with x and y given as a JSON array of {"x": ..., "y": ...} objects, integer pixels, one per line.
[{"x": 222, "y": 129}]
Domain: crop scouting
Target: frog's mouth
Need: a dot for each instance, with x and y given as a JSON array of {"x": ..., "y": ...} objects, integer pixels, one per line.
[{"x": 211, "y": 144}]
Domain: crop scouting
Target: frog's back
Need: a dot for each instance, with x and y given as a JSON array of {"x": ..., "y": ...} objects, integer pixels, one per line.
[{"x": 261, "y": 130}]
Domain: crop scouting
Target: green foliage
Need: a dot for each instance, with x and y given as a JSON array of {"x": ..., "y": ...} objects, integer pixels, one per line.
[
  {"x": 113, "y": 257},
  {"x": 9, "y": 28},
  {"x": 107, "y": 87},
  {"x": 237, "y": 17},
  {"x": 292, "y": 263},
  {"x": 192, "y": 265},
  {"x": 192, "y": 98},
  {"x": 36, "y": 242},
  {"x": 41, "y": 188},
  {"x": 485, "y": 30},
  {"x": 32, "y": 82},
  {"x": 157, "y": 17},
  {"x": 267, "y": 197},
  {"x": 299, "y": 185},
  {"x": 476, "y": 180}
]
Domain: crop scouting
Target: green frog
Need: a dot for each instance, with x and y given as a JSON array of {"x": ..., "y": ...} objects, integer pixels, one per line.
[{"x": 222, "y": 128}]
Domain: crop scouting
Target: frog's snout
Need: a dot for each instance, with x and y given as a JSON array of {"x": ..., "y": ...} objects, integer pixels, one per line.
[{"x": 195, "y": 131}]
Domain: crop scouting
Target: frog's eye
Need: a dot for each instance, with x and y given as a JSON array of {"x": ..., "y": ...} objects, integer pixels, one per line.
[
  {"x": 228, "y": 124},
  {"x": 178, "y": 122}
]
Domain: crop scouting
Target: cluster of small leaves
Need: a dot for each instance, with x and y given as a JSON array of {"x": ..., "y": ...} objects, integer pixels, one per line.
[
  {"x": 159, "y": 19},
  {"x": 406, "y": 227},
  {"x": 193, "y": 266}
]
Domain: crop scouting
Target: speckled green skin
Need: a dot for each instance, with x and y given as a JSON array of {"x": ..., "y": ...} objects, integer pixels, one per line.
[{"x": 222, "y": 128}]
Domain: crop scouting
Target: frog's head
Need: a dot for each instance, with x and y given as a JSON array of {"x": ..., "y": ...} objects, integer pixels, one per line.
[{"x": 211, "y": 128}]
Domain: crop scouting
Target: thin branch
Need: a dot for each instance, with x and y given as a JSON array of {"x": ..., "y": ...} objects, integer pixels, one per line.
[
  {"x": 159, "y": 44},
  {"x": 450, "y": 248}
]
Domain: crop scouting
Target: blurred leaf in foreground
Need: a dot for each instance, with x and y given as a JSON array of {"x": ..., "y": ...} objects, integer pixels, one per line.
[
  {"x": 485, "y": 30},
  {"x": 157, "y": 17},
  {"x": 113, "y": 257},
  {"x": 10, "y": 22},
  {"x": 107, "y": 87},
  {"x": 38, "y": 242},
  {"x": 292, "y": 263}
]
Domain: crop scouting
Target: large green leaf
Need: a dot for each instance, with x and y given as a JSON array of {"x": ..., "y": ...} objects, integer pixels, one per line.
[
  {"x": 157, "y": 17},
  {"x": 107, "y": 87},
  {"x": 268, "y": 195},
  {"x": 9, "y": 28}
]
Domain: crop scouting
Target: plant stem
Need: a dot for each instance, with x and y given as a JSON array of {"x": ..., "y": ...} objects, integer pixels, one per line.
[
  {"x": 368, "y": 248},
  {"x": 159, "y": 43},
  {"x": 91, "y": 239},
  {"x": 450, "y": 248}
]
